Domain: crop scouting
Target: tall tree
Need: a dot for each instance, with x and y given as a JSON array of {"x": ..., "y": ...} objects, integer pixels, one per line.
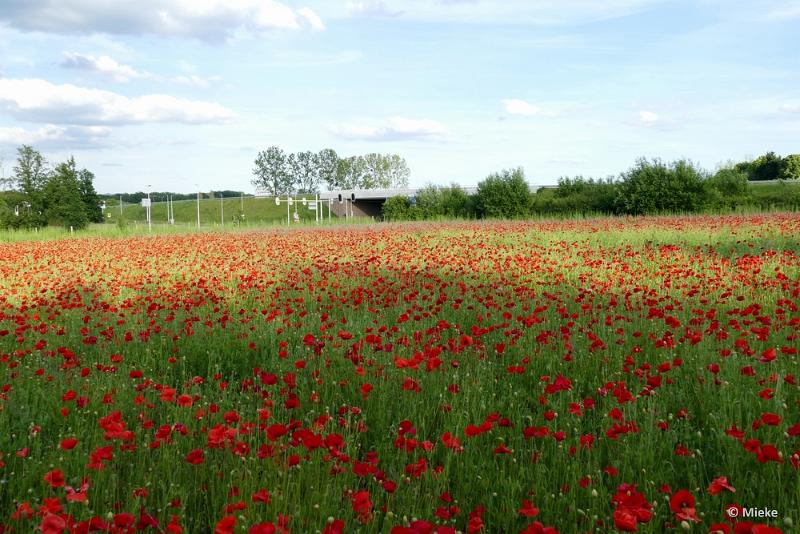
[
  {"x": 375, "y": 171},
  {"x": 91, "y": 202},
  {"x": 31, "y": 174},
  {"x": 397, "y": 171},
  {"x": 272, "y": 172},
  {"x": 350, "y": 173},
  {"x": 62, "y": 194},
  {"x": 327, "y": 165},
  {"x": 305, "y": 171}
]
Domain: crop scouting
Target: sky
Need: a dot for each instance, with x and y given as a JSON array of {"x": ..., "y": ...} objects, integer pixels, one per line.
[{"x": 181, "y": 95}]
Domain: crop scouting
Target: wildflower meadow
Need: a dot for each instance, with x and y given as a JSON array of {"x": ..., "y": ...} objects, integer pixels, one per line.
[{"x": 600, "y": 375}]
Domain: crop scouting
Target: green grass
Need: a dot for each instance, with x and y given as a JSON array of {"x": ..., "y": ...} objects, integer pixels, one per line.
[
  {"x": 184, "y": 309},
  {"x": 255, "y": 210}
]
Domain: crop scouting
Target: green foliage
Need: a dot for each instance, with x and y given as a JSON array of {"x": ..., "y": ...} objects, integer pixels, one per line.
[
  {"x": 791, "y": 167},
  {"x": 656, "y": 187},
  {"x": 504, "y": 195},
  {"x": 91, "y": 202},
  {"x": 456, "y": 203},
  {"x": 31, "y": 174},
  {"x": 372, "y": 171},
  {"x": 396, "y": 209},
  {"x": 64, "y": 205},
  {"x": 727, "y": 189},
  {"x": 122, "y": 223},
  {"x": 577, "y": 195},
  {"x": 305, "y": 172},
  {"x": 327, "y": 164},
  {"x": 766, "y": 167},
  {"x": 272, "y": 173}
]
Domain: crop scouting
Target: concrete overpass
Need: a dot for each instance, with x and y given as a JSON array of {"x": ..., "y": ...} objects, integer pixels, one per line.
[{"x": 368, "y": 202}]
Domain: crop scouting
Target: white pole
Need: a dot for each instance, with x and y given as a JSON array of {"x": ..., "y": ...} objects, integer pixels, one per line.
[
  {"x": 288, "y": 222},
  {"x": 198, "y": 206},
  {"x": 221, "y": 210}
]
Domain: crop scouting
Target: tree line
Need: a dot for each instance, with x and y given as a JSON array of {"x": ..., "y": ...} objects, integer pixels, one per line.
[
  {"x": 160, "y": 196},
  {"x": 278, "y": 173},
  {"x": 648, "y": 187},
  {"x": 770, "y": 166},
  {"x": 40, "y": 195}
]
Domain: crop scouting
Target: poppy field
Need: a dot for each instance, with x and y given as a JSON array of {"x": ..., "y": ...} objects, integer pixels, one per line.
[{"x": 606, "y": 375}]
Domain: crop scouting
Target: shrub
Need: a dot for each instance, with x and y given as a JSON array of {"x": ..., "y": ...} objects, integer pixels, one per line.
[
  {"x": 655, "y": 187},
  {"x": 504, "y": 195},
  {"x": 396, "y": 209}
]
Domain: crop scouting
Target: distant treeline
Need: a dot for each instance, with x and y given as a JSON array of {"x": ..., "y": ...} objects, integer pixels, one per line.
[
  {"x": 160, "y": 196},
  {"x": 649, "y": 187}
]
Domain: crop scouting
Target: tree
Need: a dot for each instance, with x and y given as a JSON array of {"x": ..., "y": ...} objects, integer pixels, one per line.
[
  {"x": 455, "y": 202},
  {"x": 327, "y": 164},
  {"x": 505, "y": 195},
  {"x": 350, "y": 173},
  {"x": 272, "y": 173},
  {"x": 376, "y": 172},
  {"x": 305, "y": 172},
  {"x": 655, "y": 187},
  {"x": 63, "y": 203},
  {"x": 397, "y": 171},
  {"x": 31, "y": 175},
  {"x": 91, "y": 202},
  {"x": 791, "y": 167},
  {"x": 766, "y": 167},
  {"x": 429, "y": 202}
]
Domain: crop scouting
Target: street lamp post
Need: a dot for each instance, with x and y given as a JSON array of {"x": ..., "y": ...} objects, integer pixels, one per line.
[
  {"x": 198, "y": 205},
  {"x": 149, "y": 219}
]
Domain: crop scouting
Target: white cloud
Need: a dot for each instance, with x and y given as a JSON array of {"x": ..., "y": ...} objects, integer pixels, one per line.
[
  {"x": 111, "y": 68},
  {"x": 371, "y": 8},
  {"x": 52, "y": 136},
  {"x": 545, "y": 12},
  {"x": 649, "y": 117},
  {"x": 38, "y": 100},
  {"x": 104, "y": 65},
  {"x": 194, "y": 80},
  {"x": 783, "y": 10},
  {"x": 790, "y": 107},
  {"x": 515, "y": 106},
  {"x": 393, "y": 129},
  {"x": 203, "y": 19},
  {"x": 312, "y": 18}
]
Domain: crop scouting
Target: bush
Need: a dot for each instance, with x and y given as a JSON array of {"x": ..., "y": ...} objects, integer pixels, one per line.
[
  {"x": 727, "y": 189},
  {"x": 429, "y": 202},
  {"x": 456, "y": 202},
  {"x": 655, "y": 187},
  {"x": 396, "y": 209},
  {"x": 504, "y": 195},
  {"x": 582, "y": 195},
  {"x": 791, "y": 167}
]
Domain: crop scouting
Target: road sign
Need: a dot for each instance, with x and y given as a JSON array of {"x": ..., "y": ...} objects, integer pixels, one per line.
[
  {"x": 312, "y": 205},
  {"x": 145, "y": 202}
]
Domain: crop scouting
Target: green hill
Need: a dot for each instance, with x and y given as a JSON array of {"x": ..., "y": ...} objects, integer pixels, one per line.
[{"x": 248, "y": 210}]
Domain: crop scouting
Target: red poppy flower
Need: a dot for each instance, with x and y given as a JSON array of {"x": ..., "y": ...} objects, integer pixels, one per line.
[
  {"x": 682, "y": 505},
  {"x": 55, "y": 478},
  {"x": 196, "y": 457}
]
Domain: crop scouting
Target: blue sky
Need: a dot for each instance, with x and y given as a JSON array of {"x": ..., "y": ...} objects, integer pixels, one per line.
[{"x": 180, "y": 94}]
